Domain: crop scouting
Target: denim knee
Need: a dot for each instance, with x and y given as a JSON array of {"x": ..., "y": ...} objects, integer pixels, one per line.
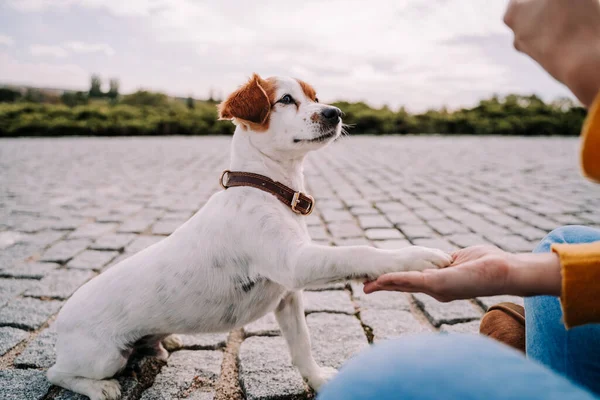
[{"x": 568, "y": 234}]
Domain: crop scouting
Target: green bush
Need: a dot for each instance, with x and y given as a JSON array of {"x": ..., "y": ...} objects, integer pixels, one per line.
[{"x": 147, "y": 113}]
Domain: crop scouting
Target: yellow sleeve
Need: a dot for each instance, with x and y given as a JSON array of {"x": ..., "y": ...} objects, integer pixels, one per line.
[
  {"x": 580, "y": 269},
  {"x": 580, "y": 263},
  {"x": 590, "y": 150}
]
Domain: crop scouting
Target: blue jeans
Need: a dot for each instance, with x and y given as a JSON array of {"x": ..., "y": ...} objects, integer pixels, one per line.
[{"x": 560, "y": 364}]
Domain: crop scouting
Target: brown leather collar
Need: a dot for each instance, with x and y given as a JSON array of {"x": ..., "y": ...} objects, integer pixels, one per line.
[{"x": 299, "y": 202}]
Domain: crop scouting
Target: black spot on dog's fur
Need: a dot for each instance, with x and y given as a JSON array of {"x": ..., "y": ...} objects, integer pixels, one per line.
[{"x": 228, "y": 317}]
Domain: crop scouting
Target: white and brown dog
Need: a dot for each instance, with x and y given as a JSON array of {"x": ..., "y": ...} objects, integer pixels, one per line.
[{"x": 241, "y": 256}]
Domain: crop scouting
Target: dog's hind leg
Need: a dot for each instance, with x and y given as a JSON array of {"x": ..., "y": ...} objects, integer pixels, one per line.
[
  {"x": 83, "y": 366},
  {"x": 290, "y": 317}
]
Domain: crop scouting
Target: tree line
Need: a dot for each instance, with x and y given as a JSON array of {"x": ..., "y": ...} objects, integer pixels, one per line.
[{"x": 95, "y": 112}]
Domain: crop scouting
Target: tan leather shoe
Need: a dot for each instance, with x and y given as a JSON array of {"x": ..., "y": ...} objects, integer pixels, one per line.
[{"x": 505, "y": 322}]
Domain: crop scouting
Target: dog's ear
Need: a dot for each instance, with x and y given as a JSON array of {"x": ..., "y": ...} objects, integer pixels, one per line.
[{"x": 250, "y": 104}]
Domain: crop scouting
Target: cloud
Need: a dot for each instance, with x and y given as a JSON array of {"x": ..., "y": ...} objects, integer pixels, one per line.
[
  {"x": 42, "y": 74},
  {"x": 41, "y": 50},
  {"x": 81, "y": 47},
  {"x": 70, "y": 47},
  {"x": 6, "y": 40},
  {"x": 419, "y": 53}
]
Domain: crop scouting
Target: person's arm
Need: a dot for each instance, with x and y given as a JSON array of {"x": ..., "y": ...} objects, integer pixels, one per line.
[{"x": 571, "y": 272}]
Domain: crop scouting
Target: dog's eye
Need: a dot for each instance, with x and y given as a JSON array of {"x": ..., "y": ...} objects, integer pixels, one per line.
[
  {"x": 316, "y": 99},
  {"x": 287, "y": 99}
]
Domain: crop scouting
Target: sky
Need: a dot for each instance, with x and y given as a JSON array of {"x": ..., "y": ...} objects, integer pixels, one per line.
[{"x": 419, "y": 54}]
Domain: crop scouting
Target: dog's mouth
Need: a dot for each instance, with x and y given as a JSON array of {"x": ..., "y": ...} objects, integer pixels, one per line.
[{"x": 318, "y": 139}]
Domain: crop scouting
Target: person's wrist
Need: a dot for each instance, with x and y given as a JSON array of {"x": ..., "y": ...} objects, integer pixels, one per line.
[
  {"x": 532, "y": 274},
  {"x": 580, "y": 69}
]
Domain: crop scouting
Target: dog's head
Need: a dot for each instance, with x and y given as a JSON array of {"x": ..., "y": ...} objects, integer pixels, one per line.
[{"x": 283, "y": 114}]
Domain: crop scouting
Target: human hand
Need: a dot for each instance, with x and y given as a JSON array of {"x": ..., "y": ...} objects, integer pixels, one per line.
[
  {"x": 563, "y": 36},
  {"x": 479, "y": 271}
]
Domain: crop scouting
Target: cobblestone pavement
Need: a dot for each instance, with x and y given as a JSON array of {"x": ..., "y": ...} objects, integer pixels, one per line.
[{"x": 71, "y": 208}]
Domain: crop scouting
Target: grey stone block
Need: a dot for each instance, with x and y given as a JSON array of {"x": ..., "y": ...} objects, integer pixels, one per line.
[
  {"x": 11, "y": 288},
  {"x": 93, "y": 230},
  {"x": 64, "y": 250},
  {"x": 429, "y": 214},
  {"x": 136, "y": 224},
  {"x": 391, "y": 323},
  {"x": 17, "y": 384},
  {"x": 40, "y": 352},
  {"x": 264, "y": 326},
  {"x": 379, "y": 300},
  {"x": 392, "y": 244},
  {"x": 204, "y": 341},
  {"x": 8, "y": 238},
  {"x": 435, "y": 243},
  {"x": 420, "y": 231},
  {"x": 186, "y": 372},
  {"x": 352, "y": 242},
  {"x": 467, "y": 239},
  {"x": 113, "y": 241},
  {"x": 447, "y": 313},
  {"x": 59, "y": 284},
  {"x": 335, "y": 338},
  {"x": 466, "y": 327},
  {"x": 345, "y": 230},
  {"x": 141, "y": 242},
  {"x": 45, "y": 238},
  {"x": 447, "y": 227},
  {"x": 511, "y": 243},
  {"x": 374, "y": 221},
  {"x": 10, "y": 337},
  {"x": 364, "y": 211},
  {"x": 333, "y": 301},
  {"x": 92, "y": 259},
  {"x": 166, "y": 226},
  {"x": 318, "y": 232},
  {"x": 330, "y": 215},
  {"x": 27, "y": 313},
  {"x": 266, "y": 372},
  {"x": 67, "y": 224},
  {"x": 383, "y": 234}
]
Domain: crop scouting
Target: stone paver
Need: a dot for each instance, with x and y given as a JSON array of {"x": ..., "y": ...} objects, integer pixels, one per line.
[
  {"x": 31, "y": 270},
  {"x": 28, "y": 313},
  {"x": 333, "y": 301},
  {"x": 39, "y": 353},
  {"x": 19, "y": 384},
  {"x": 92, "y": 259},
  {"x": 447, "y": 313},
  {"x": 88, "y": 203},
  {"x": 10, "y": 337},
  {"x": 186, "y": 371}
]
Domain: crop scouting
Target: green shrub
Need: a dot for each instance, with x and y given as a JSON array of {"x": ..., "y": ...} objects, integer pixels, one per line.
[{"x": 147, "y": 113}]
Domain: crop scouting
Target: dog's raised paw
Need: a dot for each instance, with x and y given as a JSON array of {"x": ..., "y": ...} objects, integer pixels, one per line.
[{"x": 422, "y": 258}]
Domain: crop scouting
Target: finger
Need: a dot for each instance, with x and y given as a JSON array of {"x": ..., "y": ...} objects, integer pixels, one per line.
[{"x": 403, "y": 281}]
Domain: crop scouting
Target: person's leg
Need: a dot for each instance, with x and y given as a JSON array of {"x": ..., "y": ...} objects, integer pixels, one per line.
[
  {"x": 574, "y": 353},
  {"x": 450, "y": 367}
]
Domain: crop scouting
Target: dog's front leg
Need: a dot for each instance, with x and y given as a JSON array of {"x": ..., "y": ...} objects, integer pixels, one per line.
[
  {"x": 292, "y": 322},
  {"x": 314, "y": 264}
]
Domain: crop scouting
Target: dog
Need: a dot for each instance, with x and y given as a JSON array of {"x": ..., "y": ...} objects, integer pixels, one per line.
[{"x": 242, "y": 255}]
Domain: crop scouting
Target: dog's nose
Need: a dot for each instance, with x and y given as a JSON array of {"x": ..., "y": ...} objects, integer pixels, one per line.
[{"x": 331, "y": 114}]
